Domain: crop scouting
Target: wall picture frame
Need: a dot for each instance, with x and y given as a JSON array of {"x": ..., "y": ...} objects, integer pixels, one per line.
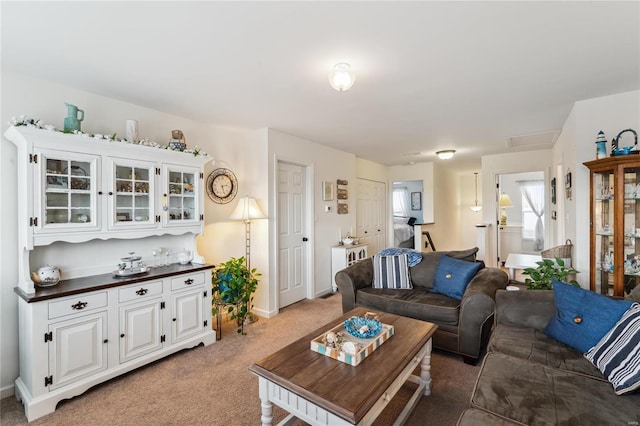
[
  {"x": 416, "y": 201},
  {"x": 327, "y": 191}
]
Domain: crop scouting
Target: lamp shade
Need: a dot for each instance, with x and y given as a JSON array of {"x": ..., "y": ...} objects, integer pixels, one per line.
[
  {"x": 342, "y": 78},
  {"x": 247, "y": 209},
  {"x": 505, "y": 200}
]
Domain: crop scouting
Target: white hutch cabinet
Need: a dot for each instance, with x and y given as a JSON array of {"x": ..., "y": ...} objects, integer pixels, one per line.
[
  {"x": 344, "y": 256},
  {"x": 88, "y": 329}
]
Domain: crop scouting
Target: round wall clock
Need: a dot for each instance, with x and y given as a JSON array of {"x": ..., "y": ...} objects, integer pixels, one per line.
[{"x": 222, "y": 186}]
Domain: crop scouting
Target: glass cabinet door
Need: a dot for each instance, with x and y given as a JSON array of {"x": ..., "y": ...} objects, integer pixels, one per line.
[
  {"x": 603, "y": 187},
  {"x": 132, "y": 198},
  {"x": 180, "y": 199},
  {"x": 631, "y": 229},
  {"x": 67, "y": 184}
]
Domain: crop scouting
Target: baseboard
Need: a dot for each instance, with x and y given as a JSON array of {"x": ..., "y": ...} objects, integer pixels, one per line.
[
  {"x": 263, "y": 313},
  {"x": 7, "y": 391}
]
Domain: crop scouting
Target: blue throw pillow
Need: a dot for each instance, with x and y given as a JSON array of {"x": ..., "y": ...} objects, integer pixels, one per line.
[
  {"x": 415, "y": 256},
  {"x": 453, "y": 276},
  {"x": 582, "y": 317}
]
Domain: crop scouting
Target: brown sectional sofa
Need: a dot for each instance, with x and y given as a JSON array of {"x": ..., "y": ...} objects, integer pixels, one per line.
[{"x": 528, "y": 378}]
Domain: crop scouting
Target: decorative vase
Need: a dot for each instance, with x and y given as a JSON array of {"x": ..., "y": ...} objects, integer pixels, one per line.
[
  {"x": 72, "y": 121},
  {"x": 132, "y": 130}
]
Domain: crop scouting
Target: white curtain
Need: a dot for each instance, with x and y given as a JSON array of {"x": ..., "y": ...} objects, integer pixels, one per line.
[
  {"x": 533, "y": 194},
  {"x": 400, "y": 202}
]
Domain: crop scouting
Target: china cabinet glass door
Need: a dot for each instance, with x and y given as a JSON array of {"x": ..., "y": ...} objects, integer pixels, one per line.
[
  {"x": 180, "y": 200},
  {"x": 132, "y": 197},
  {"x": 631, "y": 228},
  {"x": 604, "y": 223},
  {"x": 67, "y": 184}
]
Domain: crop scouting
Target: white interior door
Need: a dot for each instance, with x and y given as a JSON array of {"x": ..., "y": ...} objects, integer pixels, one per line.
[
  {"x": 371, "y": 214},
  {"x": 291, "y": 247}
]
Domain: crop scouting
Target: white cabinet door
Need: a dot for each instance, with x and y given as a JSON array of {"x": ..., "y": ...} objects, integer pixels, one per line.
[
  {"x": 188, "y": 315},
  {"x": 66, "y": 189},
  {"x": 131, "y": 185},
  {"x": 182, "y": 187},
  {"x": 140, "y": 329},
  {"x": 78, "y": 349}
]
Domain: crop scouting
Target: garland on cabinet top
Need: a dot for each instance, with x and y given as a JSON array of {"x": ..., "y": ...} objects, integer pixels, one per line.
[{"x": 24, "y": 120}]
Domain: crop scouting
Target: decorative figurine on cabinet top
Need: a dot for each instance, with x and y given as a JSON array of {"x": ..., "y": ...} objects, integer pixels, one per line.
[
  {"x": 601, "y": 146},
  {"x": 72, "y": 121},
  {"x": 616, "y": 149}
]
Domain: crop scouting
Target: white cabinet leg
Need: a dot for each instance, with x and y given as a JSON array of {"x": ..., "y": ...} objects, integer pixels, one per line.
[{"x": 425, "y": 369}]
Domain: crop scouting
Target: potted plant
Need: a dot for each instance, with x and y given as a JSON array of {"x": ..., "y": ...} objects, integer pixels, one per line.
[
  {"x": 548, "y": 270},
  {"x": 233, "y": 285}
]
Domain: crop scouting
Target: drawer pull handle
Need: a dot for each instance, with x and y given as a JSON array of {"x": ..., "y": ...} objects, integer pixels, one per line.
[
  {"x": 79, "y": 305},
  {"x": 189, "y": 281},
  {"x": 142, "y": 291},
  {"x": 122, "y": 335}
]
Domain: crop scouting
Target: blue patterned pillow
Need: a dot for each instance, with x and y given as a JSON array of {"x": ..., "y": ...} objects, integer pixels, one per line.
[
  {"x": 391, "y": 272},
  {"x": 617, "y": 355},
  {"x": 582, "y": 317},
  {"x": 415, "y": 256},
  {"x": 453, "y": 276}
]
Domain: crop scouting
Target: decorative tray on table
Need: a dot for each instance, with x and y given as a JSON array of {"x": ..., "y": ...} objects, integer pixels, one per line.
[{"x": 354, "y": 340}]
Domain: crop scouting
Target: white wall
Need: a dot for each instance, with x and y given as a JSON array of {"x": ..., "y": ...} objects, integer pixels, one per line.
[
  {"x": 514, "y": 162},
  {"x": 45, "y": 100},
  {"x": 325, "y": 164},
  {"x": 575, "y": 146},
  {"x": 469, "y": 218}
]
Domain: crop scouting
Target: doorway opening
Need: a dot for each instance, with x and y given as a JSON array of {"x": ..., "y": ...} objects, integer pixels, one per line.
[
  {"x": 407, "y": 211},
  {"x": 521, "y": 203}
]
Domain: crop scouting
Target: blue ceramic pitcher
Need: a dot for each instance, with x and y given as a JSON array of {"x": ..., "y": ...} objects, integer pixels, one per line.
[{"x": 72, "y": 121}]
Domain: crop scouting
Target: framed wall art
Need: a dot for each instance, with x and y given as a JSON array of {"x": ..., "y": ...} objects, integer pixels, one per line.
[
  {"x": 327, "y": 191},
  {"x": 416, "y": 201}
]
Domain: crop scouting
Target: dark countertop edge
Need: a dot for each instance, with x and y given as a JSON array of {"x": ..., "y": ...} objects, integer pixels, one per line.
[{"x": 104, "y": 281}]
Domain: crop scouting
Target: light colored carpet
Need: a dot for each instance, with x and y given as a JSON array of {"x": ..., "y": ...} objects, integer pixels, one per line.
[{"x": 212, "y": 385}]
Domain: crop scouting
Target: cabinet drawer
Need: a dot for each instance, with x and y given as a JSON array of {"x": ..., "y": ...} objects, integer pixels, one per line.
[
  {"x": 80, "y": 303},
  {"x": 187, "y": 281},
  {"x": 139, "y": 291}
]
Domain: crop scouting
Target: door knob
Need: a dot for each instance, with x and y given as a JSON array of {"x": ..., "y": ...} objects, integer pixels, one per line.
[{"x": 305, "y": 239}]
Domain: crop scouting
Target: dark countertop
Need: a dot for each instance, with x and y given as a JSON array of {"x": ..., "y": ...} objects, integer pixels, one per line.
[{"x": 104, "y": 281}]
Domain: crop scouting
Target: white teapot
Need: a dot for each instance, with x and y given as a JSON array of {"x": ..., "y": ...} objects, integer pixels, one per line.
[{"x": 46, "y": 276}]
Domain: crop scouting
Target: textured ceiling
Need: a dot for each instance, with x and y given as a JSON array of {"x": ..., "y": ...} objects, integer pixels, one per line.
[{"x": 430, "y": 75}]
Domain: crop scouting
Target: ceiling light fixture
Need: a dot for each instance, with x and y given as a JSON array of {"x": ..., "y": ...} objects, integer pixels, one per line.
[
  {"x": 445, "y": 154},
  {"x": 342, "y": 78},
  {"x": 476, "y": 208}
]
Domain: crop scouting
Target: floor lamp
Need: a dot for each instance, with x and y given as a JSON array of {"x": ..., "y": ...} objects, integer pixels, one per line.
[{"x": 246, "y": 211}]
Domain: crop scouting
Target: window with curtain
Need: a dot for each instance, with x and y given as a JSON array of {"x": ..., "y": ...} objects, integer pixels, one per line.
[
  {"x": 400, "y": 202},
  {"x": 533, "y": 212}
]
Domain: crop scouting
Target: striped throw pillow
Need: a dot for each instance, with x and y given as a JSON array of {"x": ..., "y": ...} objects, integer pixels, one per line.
[
  {"x": 391, "y": 272},
  {"x": 617, "y": 354}
]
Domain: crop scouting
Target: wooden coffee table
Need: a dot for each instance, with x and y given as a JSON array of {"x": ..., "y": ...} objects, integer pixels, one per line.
[{"x": 323, "y": 391}]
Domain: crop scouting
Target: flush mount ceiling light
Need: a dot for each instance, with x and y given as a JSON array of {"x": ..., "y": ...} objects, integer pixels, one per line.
[
  {"x": 445, "y": 154},
  {"x": 342, "y": 78}
]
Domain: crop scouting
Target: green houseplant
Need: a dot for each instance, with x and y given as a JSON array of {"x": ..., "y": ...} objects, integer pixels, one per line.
[
  {"x": 233, "y": 285},
  {"x": 541, "y": 277}
]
